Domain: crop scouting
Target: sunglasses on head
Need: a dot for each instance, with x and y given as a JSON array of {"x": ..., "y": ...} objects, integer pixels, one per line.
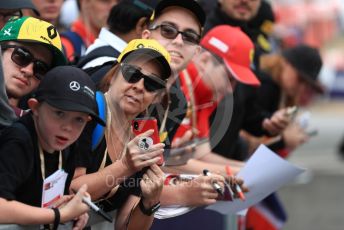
[
  {"x": 23, "y": 57},
  {"x": 133, "y": 74},
  {"x": 171, "y": 32}
]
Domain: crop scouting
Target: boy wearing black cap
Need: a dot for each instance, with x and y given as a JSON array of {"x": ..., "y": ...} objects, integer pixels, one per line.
[{"x": 39, "y": 144}]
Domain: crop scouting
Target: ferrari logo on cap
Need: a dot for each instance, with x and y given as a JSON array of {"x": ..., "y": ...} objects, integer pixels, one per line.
[{"x": 74, "y": 85}]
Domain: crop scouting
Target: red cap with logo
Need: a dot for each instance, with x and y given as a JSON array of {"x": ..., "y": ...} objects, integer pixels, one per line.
[{"x": 236, "y": 50}]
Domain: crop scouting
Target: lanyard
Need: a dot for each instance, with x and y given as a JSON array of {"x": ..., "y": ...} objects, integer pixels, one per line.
[
  {"x": 41, "y": 157},
  {"x": 108, "y": 134},
  {"x": 162, "y": 131}
]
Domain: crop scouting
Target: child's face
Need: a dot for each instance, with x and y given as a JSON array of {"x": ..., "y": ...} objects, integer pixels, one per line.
[{"x": 57, "y": 129}]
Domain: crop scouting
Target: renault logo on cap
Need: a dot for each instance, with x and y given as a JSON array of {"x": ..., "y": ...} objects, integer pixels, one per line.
[
  {"x": 139, "y": 46},
  {"x": 74, "y": 85}
]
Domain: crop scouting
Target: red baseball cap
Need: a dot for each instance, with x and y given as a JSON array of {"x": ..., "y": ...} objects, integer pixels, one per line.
[{"x": 236, "y": 50}]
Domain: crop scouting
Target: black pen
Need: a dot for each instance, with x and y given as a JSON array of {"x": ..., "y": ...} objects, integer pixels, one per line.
[
  {"x": 95, "y": 208},
  {"x": 216, "y": 186}
]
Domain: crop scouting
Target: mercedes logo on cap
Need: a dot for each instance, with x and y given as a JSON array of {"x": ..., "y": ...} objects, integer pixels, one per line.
[{"x": 74, "y": 85}]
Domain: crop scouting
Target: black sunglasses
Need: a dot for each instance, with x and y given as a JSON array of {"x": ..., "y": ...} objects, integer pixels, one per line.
[
  {"x": 23, "y": 57},
  {"x": 171, "y": 32},
  {"x": 133, "y": 75}
]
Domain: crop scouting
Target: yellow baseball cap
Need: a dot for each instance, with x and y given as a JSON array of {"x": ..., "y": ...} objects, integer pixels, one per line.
[
  {"x": 151, "y": 48},
  {"x": 30, "y": 29}
]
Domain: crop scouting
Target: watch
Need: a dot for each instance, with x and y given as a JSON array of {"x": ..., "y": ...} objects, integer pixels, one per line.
[{"x": 149, "y": 211}]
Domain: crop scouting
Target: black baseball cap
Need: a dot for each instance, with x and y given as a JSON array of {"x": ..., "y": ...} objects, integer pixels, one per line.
[
  {"x": 307, "y": 61},
  {"x": 71, "y": 89},
  {"x": 191, "y": 5},
  {"x": 18, "y": 4}
]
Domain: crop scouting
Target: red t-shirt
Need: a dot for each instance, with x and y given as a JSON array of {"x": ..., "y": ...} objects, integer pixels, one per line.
[{"x": 204, "y": 103}]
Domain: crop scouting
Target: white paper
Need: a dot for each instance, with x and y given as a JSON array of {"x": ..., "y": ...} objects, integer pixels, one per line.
[
  {"x": 264, "y": 173},
  {"x": 172, "y": 211},
  {"x": 53, "y": 188}
]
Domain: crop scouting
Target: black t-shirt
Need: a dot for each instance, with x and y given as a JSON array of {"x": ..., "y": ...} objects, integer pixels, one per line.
[
  {"x": 20, "y": 168},
  {"x": 92, "y": 160},
  {"x": 269, "y": 97},
  {"x": 247, "y": 115},
  {"x": 176, "y": 113},
  {"x": 269, "y": 93}
]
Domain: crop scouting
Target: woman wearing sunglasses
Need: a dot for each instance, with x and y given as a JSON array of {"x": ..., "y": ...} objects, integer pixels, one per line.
[
  {"x": 114, "y": 168},
  {"x": 30, "y": 47}
]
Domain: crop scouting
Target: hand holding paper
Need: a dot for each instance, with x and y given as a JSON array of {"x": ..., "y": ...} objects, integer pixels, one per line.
[{"x": 264, "y": 173}]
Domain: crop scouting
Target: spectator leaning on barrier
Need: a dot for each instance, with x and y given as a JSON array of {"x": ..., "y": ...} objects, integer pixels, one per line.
[
  {"x": 113, "y": 169},
  {"x": 30, "y": 47},
  {"x": 224, "y": 60},
  {"x": 290, "y": 78},
  {"x": 41, "y": 143},
  {"x": 178, "y": 26},
  {"x": 9, "y": 9},
  {"x": 247, "y": 115}
]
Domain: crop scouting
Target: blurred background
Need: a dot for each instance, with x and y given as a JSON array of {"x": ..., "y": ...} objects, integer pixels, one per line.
[{"x": 315, "y": 200}]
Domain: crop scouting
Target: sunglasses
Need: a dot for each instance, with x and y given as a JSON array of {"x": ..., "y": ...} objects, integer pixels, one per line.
[
  {"x": 133, "y": 75},
  {"x": 23, "y": 57},
  {"x": 171, "y": 32}
]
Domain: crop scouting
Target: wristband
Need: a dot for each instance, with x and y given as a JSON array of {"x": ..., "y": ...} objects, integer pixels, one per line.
[
  {"x": 57, "y": 218},
  {"x": 151, "y": 210}
]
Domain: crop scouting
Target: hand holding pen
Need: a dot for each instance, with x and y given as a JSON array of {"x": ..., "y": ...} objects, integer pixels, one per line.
[
  {"x": 237, "y": 183},
  {"x": 216, "y": 186},
  {"x": 87, "y": 200}
]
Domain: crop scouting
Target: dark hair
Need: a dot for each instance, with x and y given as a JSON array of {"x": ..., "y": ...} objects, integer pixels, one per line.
[{"x": 124, "y": 16}]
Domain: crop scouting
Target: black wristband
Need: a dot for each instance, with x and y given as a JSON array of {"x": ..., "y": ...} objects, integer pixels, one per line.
[
  {"x": 57, "y": 218},
  {"x": 151, "y": 210}
]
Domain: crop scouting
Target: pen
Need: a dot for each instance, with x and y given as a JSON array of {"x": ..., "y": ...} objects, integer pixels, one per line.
[
  {"x": 216, "y": 186},
  {"x": 95, "y": 208},
  {"x": 237, "y": 187}
]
